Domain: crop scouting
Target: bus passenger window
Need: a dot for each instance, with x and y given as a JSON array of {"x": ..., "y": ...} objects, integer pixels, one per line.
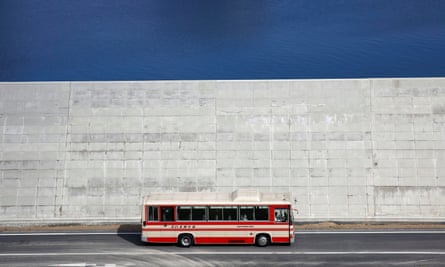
[
  {"x": 199, "y": 213},
  {"x": 167, "y": 214},
  {"x": 246, "y": 213},
  {"x": 230, "y": 213},
  {"x": 261, "y": 213},
  {"x": 184, "y": 213},
  {"x": 215, "y": 213}
]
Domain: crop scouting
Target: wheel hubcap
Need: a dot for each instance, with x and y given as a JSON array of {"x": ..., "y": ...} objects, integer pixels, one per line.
[
  {"x": 186, "y": 241},
  {"x": 262, "y": 241}
]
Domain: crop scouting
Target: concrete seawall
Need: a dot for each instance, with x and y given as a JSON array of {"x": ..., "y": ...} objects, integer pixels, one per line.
[{"x": 348, "y": 150}]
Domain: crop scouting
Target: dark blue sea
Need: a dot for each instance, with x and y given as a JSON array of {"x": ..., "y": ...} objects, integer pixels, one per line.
[{"x": 52, "y": 40}]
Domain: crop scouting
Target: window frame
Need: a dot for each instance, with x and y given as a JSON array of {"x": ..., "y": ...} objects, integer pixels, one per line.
[
  {"x": 263, "y": 207},
  {"x": 205, "y": 215},
  {"x": 215, "y": 207},
  {"x": 247, "y": 216},
  {"x": 189, "y": 208}
]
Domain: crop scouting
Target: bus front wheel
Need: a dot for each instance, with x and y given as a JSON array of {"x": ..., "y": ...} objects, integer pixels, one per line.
[{"x": 185, "y": 240}]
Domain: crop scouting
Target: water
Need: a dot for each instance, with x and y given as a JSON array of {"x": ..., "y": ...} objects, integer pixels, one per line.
[{"x": 50, "y": 40}]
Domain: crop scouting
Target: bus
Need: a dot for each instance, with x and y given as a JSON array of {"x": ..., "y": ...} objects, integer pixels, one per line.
[{"x": 241, "y": 217}]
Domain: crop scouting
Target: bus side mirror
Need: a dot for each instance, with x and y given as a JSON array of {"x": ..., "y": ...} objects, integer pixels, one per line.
[{"x": 144, "y": 223}]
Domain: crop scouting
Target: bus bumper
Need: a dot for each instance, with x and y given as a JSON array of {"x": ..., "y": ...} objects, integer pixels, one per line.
[{"x": 144, "y": 238}]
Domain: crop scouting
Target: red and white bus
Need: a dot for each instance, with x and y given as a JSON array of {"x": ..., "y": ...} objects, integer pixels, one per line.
[{"x": 242, "y": 217}]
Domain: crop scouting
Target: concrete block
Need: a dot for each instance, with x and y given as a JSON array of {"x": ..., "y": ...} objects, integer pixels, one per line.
[
  {"x": 299, "y": 181},
  {"x": 262, "y": 172},
  {"x": 281, "y": 155},
  {"x": 45, "y": 211},
  {"x": 46, "y": 200},
  {"x": 337, "y": 181},
  {"x": 338, "y": 195},
  {"x": 318, "y": 172},
  {"x": 8, "y": 198},
  {"x": 26, "y": 196},
  {"x": 319, "y": 211},
  {"x": 237, "y": 90},
  {"x": 225, "y": 173},
  {"x": 280, "y": 164},
  {"x": 358, "y": 180},
  {"x": 388, "y": 210},
  {"x": 94, "y": 208},
  {"x": 339, "y": 210},
  {"x": 426, "y": 181},
  {"x": 317, "y": 163},
  {"x": 358, "y": 211},
  {"x": 29, "y": 179},
  {"x": 21, "y": 211},
  {"x": 337, "y": 172},
  {"x": 280, "y": 181},
  {"x": 225, "y": 181},
  {"x": 297, "y": 163}
]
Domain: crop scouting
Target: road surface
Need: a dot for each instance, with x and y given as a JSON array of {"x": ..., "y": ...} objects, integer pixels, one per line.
[{"x": 378, "y": 248}]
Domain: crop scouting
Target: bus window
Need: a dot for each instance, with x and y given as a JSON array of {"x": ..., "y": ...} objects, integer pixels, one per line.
[
  {"x": 230, "y": 213},
  {"x": 152, "y": 213},
  {"x": 167, "y": 214},
  {"x": 246, "y": 213},
  {"x": 184, "y": 213},
  {"x": 281, "y": 215},
  {"x": 199, "y": 213},
  {"x": 215, "y": 213},
  {"x": 261, "y": 213}
]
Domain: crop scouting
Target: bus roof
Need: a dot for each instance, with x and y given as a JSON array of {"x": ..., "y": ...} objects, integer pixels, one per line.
[{"x": 239, "y": 197}]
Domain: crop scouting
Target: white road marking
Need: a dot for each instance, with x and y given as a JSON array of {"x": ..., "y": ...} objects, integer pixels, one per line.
[
  {"x": 83, "y": 265},
  {"x": 71, "y": 265},
  {"x": 120, "y": 253}
]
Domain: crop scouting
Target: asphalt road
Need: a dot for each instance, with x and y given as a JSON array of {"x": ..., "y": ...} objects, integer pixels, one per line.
[{"x": 390, "y": 248}]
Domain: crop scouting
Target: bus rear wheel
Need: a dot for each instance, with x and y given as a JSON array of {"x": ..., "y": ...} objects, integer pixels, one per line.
[
  {"x": 262, "y": 240},
  {"x": 185, "y": 240}
]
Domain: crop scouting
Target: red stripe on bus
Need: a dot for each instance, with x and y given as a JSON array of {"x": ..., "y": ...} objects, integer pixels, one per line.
[{"x": 224, "y": 240}]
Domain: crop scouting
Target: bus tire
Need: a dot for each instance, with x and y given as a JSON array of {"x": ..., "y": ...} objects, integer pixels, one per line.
[
  {"x": 262, "y": 240},
  {"x": 185, "y": 240}
]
